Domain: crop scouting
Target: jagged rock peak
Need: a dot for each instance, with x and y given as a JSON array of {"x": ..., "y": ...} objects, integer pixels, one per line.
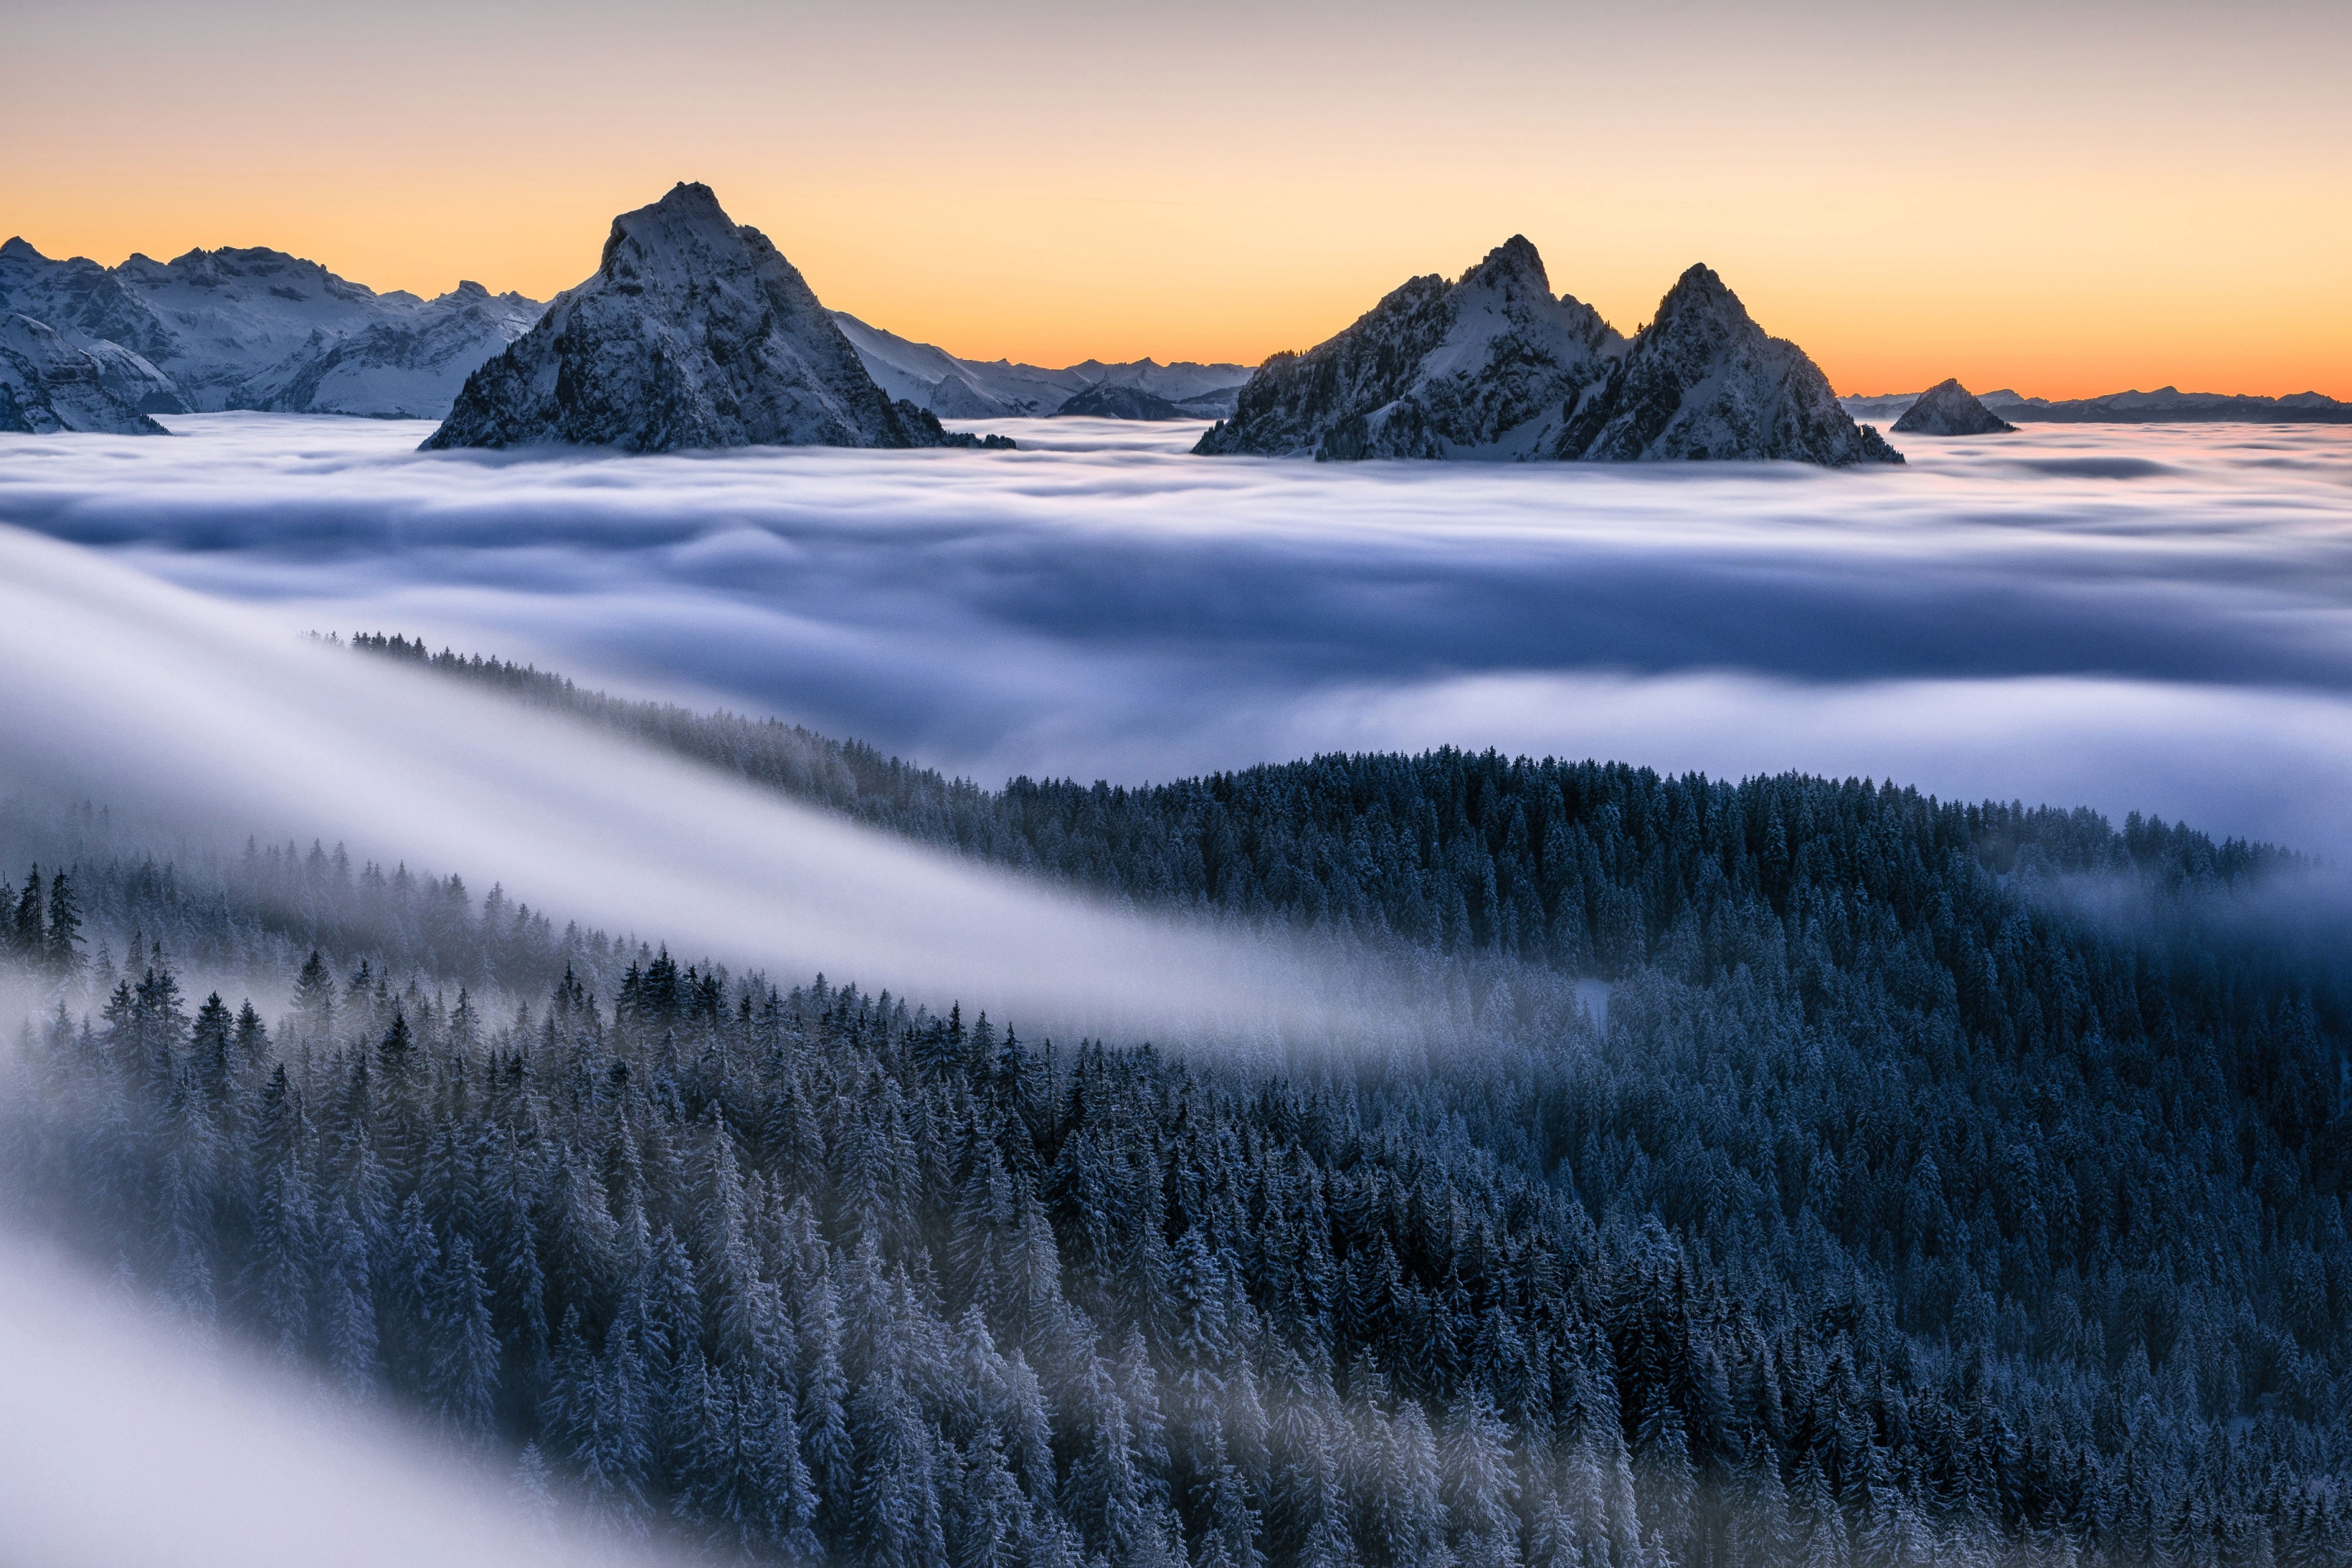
[
  {"x": 1703, "y": 380},
  {"x": 1947, "y": 408},
  {"x": 1485, "y": 367},
  {"x": 694, "y": 332}
]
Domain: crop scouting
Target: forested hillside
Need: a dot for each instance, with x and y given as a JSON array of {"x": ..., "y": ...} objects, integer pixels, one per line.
[{"x": 1949, "y": 1184}]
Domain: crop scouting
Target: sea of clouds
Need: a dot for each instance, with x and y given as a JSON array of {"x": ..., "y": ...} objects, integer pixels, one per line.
[{"x": 2150, "y": 618}]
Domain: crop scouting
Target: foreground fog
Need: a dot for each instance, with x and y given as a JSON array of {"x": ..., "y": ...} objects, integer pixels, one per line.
[
  {"x": 2150, "y": 618},
  {"x": 125, "y": 1445},
  {"x": 195, "y": 730}
]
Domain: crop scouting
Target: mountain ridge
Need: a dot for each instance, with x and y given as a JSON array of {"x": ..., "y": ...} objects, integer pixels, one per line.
[
  {"x": 955, "y": 388},
  {"x": 1491, "y": 367},
  {"x": 253, "y": 328}
]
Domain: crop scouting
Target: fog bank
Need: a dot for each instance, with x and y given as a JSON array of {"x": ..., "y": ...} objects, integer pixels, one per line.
[{"x": 2154, "y": 618}]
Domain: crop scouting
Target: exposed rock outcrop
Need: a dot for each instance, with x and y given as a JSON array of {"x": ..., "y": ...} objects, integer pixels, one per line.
[
  {"x": 1947, "y": 408},
  {"x": 695, "y": 332}
]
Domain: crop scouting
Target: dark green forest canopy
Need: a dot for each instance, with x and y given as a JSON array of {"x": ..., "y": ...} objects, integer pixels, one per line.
[{"x": 1949, "y": 1183}]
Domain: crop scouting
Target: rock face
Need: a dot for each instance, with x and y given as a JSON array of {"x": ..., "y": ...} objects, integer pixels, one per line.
[
  {"x": 46, "y": 385},
  {"x": 1494, "y": 367},
  {"x": 1702, "y": 382},
  {"x": 956, "y": 388},
  {"x": 260, "y": 328},
  {"x": 694, "y": 332},
  {"x": 1947, "y": 409},
  {"x": 1108, "y": 402},
  {"x": 1483, "y": 367}
]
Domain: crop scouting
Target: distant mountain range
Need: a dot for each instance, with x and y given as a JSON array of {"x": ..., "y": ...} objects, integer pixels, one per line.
[
  {"x": 2165, "y": 404},
  {"x": 262, "y": 330},
  {"x": 956, "y": 388},
  {"x": 1493, "y": 367}
]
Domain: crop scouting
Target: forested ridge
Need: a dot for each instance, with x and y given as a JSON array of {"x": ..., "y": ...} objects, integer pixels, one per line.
[{"x": 1949, "y": 1184}]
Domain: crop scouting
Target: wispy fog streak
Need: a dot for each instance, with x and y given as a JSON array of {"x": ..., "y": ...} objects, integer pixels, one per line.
[{"x": 148, "y": 698}]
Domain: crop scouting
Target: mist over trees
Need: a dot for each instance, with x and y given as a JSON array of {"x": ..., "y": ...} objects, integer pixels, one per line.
[{"x": 1947, "y": 1184}]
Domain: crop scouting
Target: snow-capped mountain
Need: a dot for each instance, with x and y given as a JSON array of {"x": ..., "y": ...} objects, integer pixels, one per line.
[
  {"x": 1494, "y": 367},
  {"x": 694, "y": 332},
  {"x": 46, "y": 384},
  {"x": 1947, "y": 408},
  {"x": 1702, "y": 381},
  {"x": 932, "y": 378},
  {"x": 260, "y": 328},
  {"x": 1485, "y": 367}
]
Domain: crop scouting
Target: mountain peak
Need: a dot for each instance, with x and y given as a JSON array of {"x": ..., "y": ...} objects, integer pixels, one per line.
[
  {"x": 18, "y": 249},
  {"x": 1516, "y": 260},
  {"x": 1704, "y": 381},
  {"x": 1700, "y": 289},
  {"x": 1947, "y": 409},
  {"x": 694, "y": 332},
  {"x": 691, "y": 197}
]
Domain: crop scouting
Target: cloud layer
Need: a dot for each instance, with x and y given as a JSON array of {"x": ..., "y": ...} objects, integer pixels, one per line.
[{"x": 2141, "y": 618}]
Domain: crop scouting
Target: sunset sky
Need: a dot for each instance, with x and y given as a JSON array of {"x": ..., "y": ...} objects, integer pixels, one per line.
[{"x": 2065, "y": 198}]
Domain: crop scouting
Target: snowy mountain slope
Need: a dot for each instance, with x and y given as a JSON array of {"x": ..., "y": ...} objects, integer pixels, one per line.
[
  {"x": 46, "y": 384},
  {"x": 254, "y": 327},
  {"x": 1702, "y": 381},
  {"x": 1947, "y": 409},
  {"x": 694, "y": 332},
  {"x": 932, "y": 378},
  {"x": 1481, "y": 368}
]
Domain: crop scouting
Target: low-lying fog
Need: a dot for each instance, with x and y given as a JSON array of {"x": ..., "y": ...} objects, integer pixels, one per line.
[
  {"x": 2131, "y": 617},
  {"x": 196, "y": 729}
]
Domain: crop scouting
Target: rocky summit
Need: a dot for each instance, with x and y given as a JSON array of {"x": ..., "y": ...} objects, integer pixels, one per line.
[
  {"x": 1482, "y": 367},
  {"x": 695, "y": 332},
  {"x": 47, "y": 385},
  {"x": 1947, "y": 408},
  {"x": 1495, "y": 367},
  {"x": 1702, "y": 381}
]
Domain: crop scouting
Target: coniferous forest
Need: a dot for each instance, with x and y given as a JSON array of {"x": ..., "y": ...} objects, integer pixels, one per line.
[{"x": 1936, "y": 1183}]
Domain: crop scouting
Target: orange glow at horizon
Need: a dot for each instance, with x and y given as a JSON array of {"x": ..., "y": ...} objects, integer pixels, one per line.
[{"x": 1002, "y": 191}]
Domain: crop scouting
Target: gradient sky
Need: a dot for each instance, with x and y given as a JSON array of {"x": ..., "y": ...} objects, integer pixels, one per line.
[{"x": 2064, "y": 197}]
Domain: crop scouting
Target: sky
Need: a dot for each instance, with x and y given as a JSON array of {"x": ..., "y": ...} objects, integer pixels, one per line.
[
  {"x": 2064, "y": 197},
  {"x": 2132, "y": 618}
]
